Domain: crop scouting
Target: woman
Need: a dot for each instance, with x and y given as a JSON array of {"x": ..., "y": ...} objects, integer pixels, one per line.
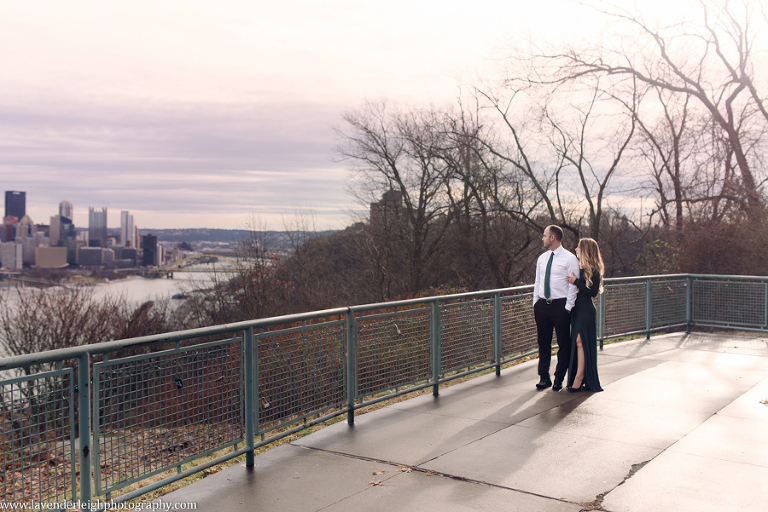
[{"x": 582, "y": 374}]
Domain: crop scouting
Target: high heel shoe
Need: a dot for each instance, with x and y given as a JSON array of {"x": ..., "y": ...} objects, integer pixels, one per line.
[{"x": 582, "y": 387}]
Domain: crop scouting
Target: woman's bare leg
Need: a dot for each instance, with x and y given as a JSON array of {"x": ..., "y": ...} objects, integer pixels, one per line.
[{"x": 579, "y": 378}]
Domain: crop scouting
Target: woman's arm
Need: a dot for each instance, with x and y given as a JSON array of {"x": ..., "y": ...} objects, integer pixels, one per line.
[{"x": 593, "y": 290}]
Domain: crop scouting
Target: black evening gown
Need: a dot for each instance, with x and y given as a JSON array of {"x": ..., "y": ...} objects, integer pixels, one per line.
[{"x": 584, "y": 322}]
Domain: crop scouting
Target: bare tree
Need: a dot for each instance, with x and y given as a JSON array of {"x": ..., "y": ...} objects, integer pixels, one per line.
[
  {"x": 667, "y": 146},
  {"x": 593, "y": 146},
  {"x": 492, "y": 248},
  {"x": 61, "y": 317},
  {"x": 522, "y": 179},
  {"x": 561, "y": 155},
  {"x": 395, "y": 152},
  {"x": 711, "y": 60},
  {"x": 47, "y": 319}
]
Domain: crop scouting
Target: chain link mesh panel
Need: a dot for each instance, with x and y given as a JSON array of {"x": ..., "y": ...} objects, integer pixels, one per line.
[
  {"x": 624, "y": 307},
  {"x": 37, "y": 437},
  {"x": 301, "y": 373},
  {"x": 393, "y": 350},
  {"x": 160, "y": 410},
  {"x": 729, "y": 302},
  {"x": 518, "y": 327},
  {"x": 668, "y": 302},
  {"x": 156, "y": 411},
  {"x": 466, "y": 334}
]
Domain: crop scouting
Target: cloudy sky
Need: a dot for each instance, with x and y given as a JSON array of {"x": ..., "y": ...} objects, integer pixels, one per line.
[{"x": 216, "y": 113}]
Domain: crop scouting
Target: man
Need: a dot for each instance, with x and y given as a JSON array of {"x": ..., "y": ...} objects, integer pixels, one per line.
[{"x": 553, "y": 299}]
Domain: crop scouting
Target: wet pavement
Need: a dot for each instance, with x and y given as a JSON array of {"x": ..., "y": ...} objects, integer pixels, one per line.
[{"x": 681, "y": 426}]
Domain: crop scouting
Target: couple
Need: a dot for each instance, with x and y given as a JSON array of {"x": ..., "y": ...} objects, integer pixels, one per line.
[{"x": 562, "y": 299}]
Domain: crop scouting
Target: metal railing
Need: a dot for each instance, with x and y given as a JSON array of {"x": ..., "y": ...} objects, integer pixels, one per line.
[{"x": 121, "y": 412}]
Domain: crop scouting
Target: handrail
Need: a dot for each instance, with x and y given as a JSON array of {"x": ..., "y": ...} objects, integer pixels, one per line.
[
  {"x": 268, "y": 378},
  {"x": 111, "y": 346}
]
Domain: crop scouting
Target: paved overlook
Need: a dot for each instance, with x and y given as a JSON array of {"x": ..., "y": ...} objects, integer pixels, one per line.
[{"x": 680, "y": 427}]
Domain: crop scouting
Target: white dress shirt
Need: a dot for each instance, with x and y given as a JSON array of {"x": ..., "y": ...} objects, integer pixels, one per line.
[{"x": 563, "y": 265}]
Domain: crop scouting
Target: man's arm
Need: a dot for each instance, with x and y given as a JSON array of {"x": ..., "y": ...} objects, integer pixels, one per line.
[
  {"x": 573, "y": 290},
  {"x": 536, "y": 283}
]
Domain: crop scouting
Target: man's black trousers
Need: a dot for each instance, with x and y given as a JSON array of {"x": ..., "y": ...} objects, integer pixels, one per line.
[{"x": 549, "y": 316}]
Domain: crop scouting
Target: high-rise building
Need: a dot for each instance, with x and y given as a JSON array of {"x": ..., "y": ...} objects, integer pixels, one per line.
[
  {"x": 11, "y": 255},
  {"x": 66, "y": 209},
  {"x": 60, "y": 228},
  {"x": 54, "y": 229},
  {"x": 149, "y": 251},
  {"x": 73, "y": 247},
  {"x": 25, "y": 228},
  {"x": 97, "y": 227},
  {"x": 15, "y": 204},
  {"x": 127, "y": 231},
  {"x": 29, "y": 246},
  {"x": 387, "y": 210},
  {"x": 9, "y": 228}
]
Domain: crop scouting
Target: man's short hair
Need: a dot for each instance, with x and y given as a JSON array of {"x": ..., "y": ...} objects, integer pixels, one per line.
[{"x": 557, "y": 231}]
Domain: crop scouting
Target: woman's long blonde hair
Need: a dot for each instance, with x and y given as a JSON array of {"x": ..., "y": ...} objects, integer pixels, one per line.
[{"x": 591, "y": 260}]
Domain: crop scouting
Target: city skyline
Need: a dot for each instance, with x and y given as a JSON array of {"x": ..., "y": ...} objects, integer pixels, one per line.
[
  {"x": 65, "y": 208},
  {"x": 222, "y": 115}
]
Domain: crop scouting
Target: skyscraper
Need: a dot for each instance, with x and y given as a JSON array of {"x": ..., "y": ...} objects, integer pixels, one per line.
[
  {"x": 149, "y": 251},
  {"x": 9, "y": 228},
  {"x": 127, "y": 231},
  {"x": 54, "y": 229},
  {"x": 25, "y": 228},
  {"x": 11, "y": 255},
  {"x": 97, "y": 227},
  {"x": 15, "y": 204},
  {"x": 66, "y": 209}
]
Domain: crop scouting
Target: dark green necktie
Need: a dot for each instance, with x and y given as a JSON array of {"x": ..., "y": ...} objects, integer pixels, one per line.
[{"x": 546, "y": 276}]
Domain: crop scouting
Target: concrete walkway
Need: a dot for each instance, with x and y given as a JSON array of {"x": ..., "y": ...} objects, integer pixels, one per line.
[{"x": 681, "y": 426}]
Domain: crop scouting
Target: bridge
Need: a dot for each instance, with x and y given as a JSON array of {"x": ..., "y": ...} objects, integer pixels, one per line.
[
  {"x": 185, "y": 265},
  {"x": 18, "y": 276},
  {"x": 680, "y": 425},
  {"x": 204, "y": 258}
]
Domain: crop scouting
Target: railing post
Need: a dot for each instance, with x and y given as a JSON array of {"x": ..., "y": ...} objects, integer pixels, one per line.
[
  {"x": 648, "y": 308},
  {"x": 497, "y": 318},
  {"x": 351, "y": 367},
  {"x": 250, "y": 406},
  {"x": 84, "y": 395},
  {"x": 765, "y": 304},
  {"x": 688, "y": 299},
  {"x": 601, "y": 325},
  {"x": 435, "y": 342}
]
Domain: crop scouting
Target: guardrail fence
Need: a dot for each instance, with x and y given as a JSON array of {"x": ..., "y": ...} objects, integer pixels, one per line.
[{"x": 94, "y": 423}]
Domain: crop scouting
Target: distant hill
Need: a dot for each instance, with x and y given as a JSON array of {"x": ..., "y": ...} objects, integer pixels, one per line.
[
  {"x": 279, "y": 241},
  {"x": 198, "y": 234}
]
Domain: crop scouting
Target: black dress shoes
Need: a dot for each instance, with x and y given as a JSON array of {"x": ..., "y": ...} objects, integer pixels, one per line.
[
  {"x": 544, "y": 383},
  {"x": 558, "y": 385}
]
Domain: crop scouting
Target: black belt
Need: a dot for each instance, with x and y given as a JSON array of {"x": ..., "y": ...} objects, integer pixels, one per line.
[{"x": 550, "y": 301}]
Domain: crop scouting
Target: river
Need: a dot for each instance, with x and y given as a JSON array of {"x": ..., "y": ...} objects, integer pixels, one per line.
[{"x": 141, "y": 289}]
